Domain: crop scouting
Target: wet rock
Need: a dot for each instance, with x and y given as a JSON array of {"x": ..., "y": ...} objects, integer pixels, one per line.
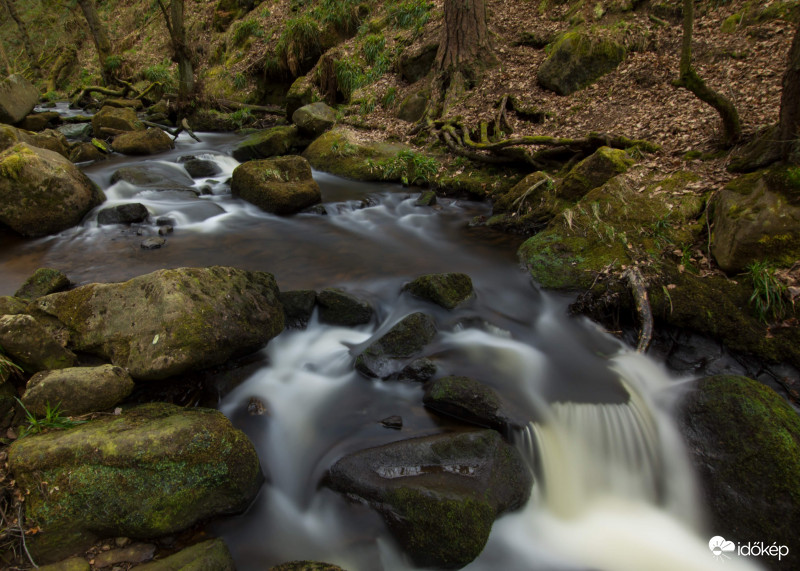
[
  {"x": 84, "y": 152},
  {"x": 201, "y": 168},
  {"x": 153, "y": 243},
  {"x": 165, "y": 221},
  {"x": 469, "y": 401},
  {"x": 41, "y": 192},
  {"x": 111, "y": 120},
  {"x": 148, "y": 142},
  {"x": 528, "y": 205},
  {"x": 154, "y": 175},
  {"x": 447, "y": 290},
  {"x": 426, "y": 198},
  {"x": 170, "y": 321},
  {"x": 40, "y": 121},
  {"x": 314, "y": 119},
  {"x": 744, "y": 441},
  {"x": 134, "y": 553},
  {"x": 419, "y": 370},
  {"x": 42, "y": 282},
  {"x": 153, "y": 470},
  {"x": 283, "y": 185},
  {"x": 439, "y": 494},
  {"x": 341, "y": 308},
  {"x": 128, "y": 213},
  {"x": 165, "y": 230},
  {"x": 31, "y": 346},
  {"x": 273, "y": 142},
  {"x": 593, "y": 171},
  {"x": 388, "y": 355},
  {"x": 298, "y": 305},
  {"x": 211, "y": 555},
  {"x": 78, "y": 389},
  {"x": 80, "y": 131},
  {"x": 577, "y": 60},
  {"x": 756, "y": 218},
  {"x": 18, "y": 97},
  {"x": 395, "y": 422},
  {"x": 305, "y": 566},
  {"x": 10, "y": 305},
  {"x": 47, "y": 139}
]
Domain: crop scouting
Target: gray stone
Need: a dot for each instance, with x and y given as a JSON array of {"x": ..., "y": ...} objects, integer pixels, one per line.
[
  {"x": 276, "y": 141},
  {"x": 341, "y": 308},
  {"x": 470, "y": 401},
  {"x": 110, "y": 120},
  {"x": 413, "y": 107},
  {"x": 149, "y": 142},
  {"x": 298, "y": 305},
  {"x": 153, "y": 243},
  {"x": 78, "y": 390},
  {"x": 314, "y": 119},
  {"x": 18, "y": 97},
  {"x": 446, "y": 290},
  {"x": 388, "y": 355},
  {"x": 152, "y": 174},
  {"x": 128, "y": 213}
]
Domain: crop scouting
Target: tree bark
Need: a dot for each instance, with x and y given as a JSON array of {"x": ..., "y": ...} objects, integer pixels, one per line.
[
  {"x": 789, "y": 123},
  {"x": 181, "y": 54},
  {"x": 731, "y": 126},
  {"x": 23, "y": 32},
  {"x": 101, "y": 41}
]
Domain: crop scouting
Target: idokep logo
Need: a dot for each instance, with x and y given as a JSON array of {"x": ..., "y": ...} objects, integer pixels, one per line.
[{"x": 720, "y": 547}]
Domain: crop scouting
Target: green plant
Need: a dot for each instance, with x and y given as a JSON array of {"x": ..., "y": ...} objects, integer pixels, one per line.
[
  {"x": 160, "y": 72},
  {"x": 374, "y": 46},
  {"x": 768, "y": 291},
  {"x": 388, "y": 98},
  {"x": 8, "y": 367},
  {"x": 300, "y": 38},
  {"x": 241, "y": 117},
  {"x": 344, "y": 15},
  {"x": 345, "y": 150},
  {"x": 113, "y": 62},
  {"x": 349, "y": 76},
  {"x": 239, "y": 81},
  {"x": 246, "y": 29},
  {"x": 410, "y": 13},
  {"x": 409, "y": 167},
  {"x": 53, "y": 419}
]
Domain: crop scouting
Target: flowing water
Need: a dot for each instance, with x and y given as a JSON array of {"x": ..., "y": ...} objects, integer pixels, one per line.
[{"x": 613, "y": 488}]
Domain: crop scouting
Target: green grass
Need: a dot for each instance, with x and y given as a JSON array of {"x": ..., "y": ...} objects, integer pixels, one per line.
[
  {"x": 8, "y": 368},
  {"x": 768, "y": 290},
  {"x": 409, "y": 167},
  {"x": 246, "y": 29},
  {"x": 409, "y": 13},
  {"x": 53, "y": 419},
  {"x": 344, "y": 15},
  {"x": 350, "y": 75},
  {"x": 160, "y": 72}
]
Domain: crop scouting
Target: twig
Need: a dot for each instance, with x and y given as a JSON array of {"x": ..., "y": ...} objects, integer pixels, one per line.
[{"x": 22, "y": 531}]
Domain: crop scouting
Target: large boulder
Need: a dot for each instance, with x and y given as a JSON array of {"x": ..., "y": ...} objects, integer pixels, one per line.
[
  {"x": 272, "y": 142},
  {"x": 148, "y": 142},
  {"x": 153, "y": 470},
  {"x": 170, "y": 321},
  {"x": 300, "y": 93},
  {"x": 446, "y": 290},
  {"x": 18, "y": 97},
  {"x": 593, "y": 171},
  {"x": 438, "y": 494},
  {"x": 314, "y": 119},
  {"x": 31, "y": 345},
  {"x": 744, "y": 441},
  {"x": 756, "y": 218},
  {"x": 577, "y": 60},
  {"x": 397, "y": 347},
  {"x": 112, "y": 120},
  {"x": 48, "y": 139},
  {"x": 41, "y": 192},
  {"x": 77, "y": 390},
  {"x": 282, "y": 185}
]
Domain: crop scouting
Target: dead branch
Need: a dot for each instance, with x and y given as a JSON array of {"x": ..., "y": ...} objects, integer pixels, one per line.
[
  {"x": 270, "y": 109},
  {"x": 638, "y": 287}
]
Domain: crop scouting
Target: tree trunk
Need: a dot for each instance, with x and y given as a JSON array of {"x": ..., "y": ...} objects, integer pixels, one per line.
[
  {"x": 464, "y": 47},
  {"x": 4, "y": 55},
  {"x": 731, "y": 126},
  {"x": 181, "y": 54},
  {"x": 65, "y": 59},
  {"x": 789, "y": 124},
  {"x": 23, "y": 32},
  {"x": 101, "y": 41}
]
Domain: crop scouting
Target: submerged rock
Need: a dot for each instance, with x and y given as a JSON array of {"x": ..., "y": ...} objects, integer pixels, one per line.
[
  {"x": 447, "y": 290},
  {"x": 41, "y": 192},
  {"x": 283, "y": 185},
  {"x": 155, "y": 175},
  {"x": 77, "y": 390},
  {"x": 744, "y": 440},
  {"x": 153, "y": 470},
  {"x": 170, "y": 321},
  {"x": 298, "y": 305},
  {"x": 389, "y": 354},
  {"x": 338, "y": 307},
  {"x": 438, "y": 494}
]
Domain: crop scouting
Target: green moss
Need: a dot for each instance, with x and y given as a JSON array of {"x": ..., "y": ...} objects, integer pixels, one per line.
[{"x": 447, "y": 290}]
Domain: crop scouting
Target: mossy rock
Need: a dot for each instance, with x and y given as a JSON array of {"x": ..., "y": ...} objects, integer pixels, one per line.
[
  {"x": 170, "y": 321},
  {"x": 31, "y": 345},
  {"x": 272, "y": 142},
  {"x": 301, "y": 92},
  {"x": 282, "y": 185},
  {"x": 109, "y": 120},
  {"x": 447, "y": 290},
  {"x": 470, "y": 401},
  {"x": 210, "y": 555},
  {"x": 338, "y": 152},
  {"x": 314, "y": 119},
  {"x": 438, "y": 494},
  {"x": 153, "y": 470},
  {"x": 43, "y": 281},
  {"x": 389, "y": 354},
  {"x": 148, "y": 142},
  {"x": 18, "y": 97},
  {"x": 298, "y": 306},
  {"x": 744, "y": 440},
  {"x": 756, "y": 218},
  {"x": 528, "y": 206},
  {"x": 576, "y": 60},
  {"x": 476, "y": 183},
  {"x": 593, "y": 171},
  {"x": 338, "y": 307},
  {"x": 41, "y": 192}
]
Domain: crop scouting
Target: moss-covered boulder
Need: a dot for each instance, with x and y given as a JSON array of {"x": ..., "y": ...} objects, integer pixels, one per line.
[
  {"x": 412, "y": 108},
  {"x": 470, "y": 401},
  {"x": 397, "y": 347},
  {"x": 18, "y": 97},
  {"x": 301, "y": 92},
  {"x": 528, "y": 206},
  {"x": 170, "y": 321},
  {"x": 41, "y": 192},
  {"x": 339, "y": 152},
  {"x": 40, "y": 121},
  {"x": 314, "y": 119},
  {"x": 76, "y": 563},
  {"x": 77, "y": 390},
  {"x": 447, "y": 290},
  {"x": 128, "y": 213},
  {"x": 153, "y": 470},
  {"x": 111, "y": 120},
  {"x": 42, "y": 282},
  {"x": 283, "y": 185},
  {"x": 744, "y": 440},
  {"x": 51, "y": 140},
  {"x": 757, "y": 218},
  {"x": 32, "y": 346},
  {"x": 149, "y": 142},
  {"x": 339, "y": 307},
  {"x": 210, "y": 555},
  {"x": 593, "y": 171},
  {"x": 272, "y": 142},
  {"x": 438, "y": 494},
  {"x": 577, "y": 59}
]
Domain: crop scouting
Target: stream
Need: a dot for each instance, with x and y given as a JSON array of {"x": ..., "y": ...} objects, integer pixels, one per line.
[{"x": 613, "y": 491}]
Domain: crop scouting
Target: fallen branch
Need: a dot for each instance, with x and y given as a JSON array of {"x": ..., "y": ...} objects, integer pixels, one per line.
[
  {"x": 270, "y": 109},
  {"x": 184, "y": 126},
  {"x": 639, "y": 290}
]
